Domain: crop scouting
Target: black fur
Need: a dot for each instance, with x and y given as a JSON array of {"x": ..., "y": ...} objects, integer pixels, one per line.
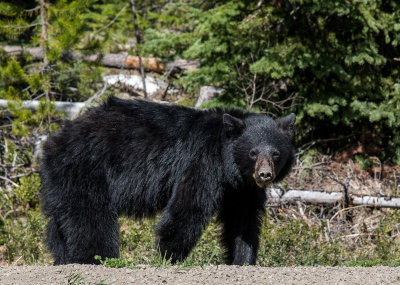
[{"x": 138, "y": 158}]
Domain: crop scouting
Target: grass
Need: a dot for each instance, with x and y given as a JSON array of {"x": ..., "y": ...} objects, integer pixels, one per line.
[{"x": 286, "y": 240}]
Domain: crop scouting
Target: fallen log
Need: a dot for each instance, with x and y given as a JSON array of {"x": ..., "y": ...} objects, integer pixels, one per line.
[
  {"x": 179, "y": 66},
  {"x": 72, "y": 109},
  {"x": 371, "y": 201},
  {"x": 116, "y": 60},
  {"x": 278, "y": 197}
]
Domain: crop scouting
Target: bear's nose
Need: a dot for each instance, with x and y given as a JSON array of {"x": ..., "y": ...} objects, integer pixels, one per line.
[{"x": 265, "y": 174}]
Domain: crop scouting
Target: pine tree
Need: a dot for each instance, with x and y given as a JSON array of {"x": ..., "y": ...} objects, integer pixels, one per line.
[
  {"x": 55, "y": 27},
  {"x": 336, "y": 57}
]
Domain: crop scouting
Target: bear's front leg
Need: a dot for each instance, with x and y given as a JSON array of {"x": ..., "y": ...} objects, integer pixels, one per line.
[
  {"x": 179, "y": 230},
  {"x": 240, "y": 216},
  {"x": 183, "y": 220}
]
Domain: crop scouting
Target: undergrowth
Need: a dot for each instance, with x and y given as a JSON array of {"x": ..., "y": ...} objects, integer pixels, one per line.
[
  {"x": 286, "y": 240},
  {"x": 315, "y": 235}
]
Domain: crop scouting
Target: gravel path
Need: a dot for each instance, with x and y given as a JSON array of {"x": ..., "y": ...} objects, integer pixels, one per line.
[{"x": 90, "y": 274}]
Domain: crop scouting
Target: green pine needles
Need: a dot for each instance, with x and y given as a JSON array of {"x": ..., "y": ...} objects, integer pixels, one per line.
[
  {"x": 337, "y": 58},
  {"x": 334, "y": 63}
]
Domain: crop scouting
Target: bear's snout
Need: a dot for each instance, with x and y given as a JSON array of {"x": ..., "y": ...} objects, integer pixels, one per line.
[{"x": 264, "y": 172}]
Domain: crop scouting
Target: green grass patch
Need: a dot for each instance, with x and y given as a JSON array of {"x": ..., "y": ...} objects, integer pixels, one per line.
[
  {"x": 283, "y": 242},
  {"x": 286, "y": 240}
]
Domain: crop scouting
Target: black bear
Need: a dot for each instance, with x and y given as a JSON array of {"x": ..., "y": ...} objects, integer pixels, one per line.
[{"x": 137, "y": 158}]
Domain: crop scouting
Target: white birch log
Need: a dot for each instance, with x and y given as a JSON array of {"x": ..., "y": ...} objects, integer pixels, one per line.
[
  {"x": 277, "y": 197},
  {"x": 381, "y": 202},
  {"x": 72, "y": 109}
]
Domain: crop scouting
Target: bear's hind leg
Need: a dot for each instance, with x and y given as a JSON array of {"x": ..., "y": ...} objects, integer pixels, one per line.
[
  {"x": 55, "y": 242},
  {"x": 90, "y": 232}
]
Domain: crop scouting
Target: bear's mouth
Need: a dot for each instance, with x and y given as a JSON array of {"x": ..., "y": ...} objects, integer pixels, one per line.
[{"x": 262, "y": 183}]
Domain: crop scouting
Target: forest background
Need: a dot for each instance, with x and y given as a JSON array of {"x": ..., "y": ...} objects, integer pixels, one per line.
[{"x": 336, "y": 64}]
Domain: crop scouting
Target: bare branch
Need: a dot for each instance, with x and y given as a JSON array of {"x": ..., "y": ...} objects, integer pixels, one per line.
[
  {"x": 10, "y": 181},
  {"x": 97, "y": 95},
  {"x": 20, "y": 27},
  {"x": 113, "y": 20}
]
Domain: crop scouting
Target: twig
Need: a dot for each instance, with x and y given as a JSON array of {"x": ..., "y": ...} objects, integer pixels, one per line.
[
  {"x": 310, "y": 166},
  {"x": 166, "y": 91},
  {"x": 308, "y": 145},
  {"x": 33, "y": 9},
  {"x": 16, "y": 261},
  {"x": 10, "y": 181},
  {"x": 345, "y": 189},
  {"x": 357, "y": 235},
  {"x": 23, "y": 175},
  {"x": 97, "y": 95},
  {"x": 113, "y": 20},
  {"x": 345, "y": 209},
  {"x": 304, "y": 217}
]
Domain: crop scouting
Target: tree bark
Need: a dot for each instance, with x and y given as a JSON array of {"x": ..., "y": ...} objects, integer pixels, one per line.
[
  {"x": 43, "y": 39},
  {"x": 133, "y": 6},
  {"x": 43, "y": 24}
]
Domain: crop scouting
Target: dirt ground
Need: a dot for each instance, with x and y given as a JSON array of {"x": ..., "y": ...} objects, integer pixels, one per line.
[{"x": 222, "y": 274}]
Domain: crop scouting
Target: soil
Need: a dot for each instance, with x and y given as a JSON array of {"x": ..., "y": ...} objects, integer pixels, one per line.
[{"x": 222, "y": 274}]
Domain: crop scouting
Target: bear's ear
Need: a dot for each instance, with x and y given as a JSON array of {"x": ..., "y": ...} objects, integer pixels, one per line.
[
  {"x": 287, "y": 124},
  {"x": 233, "y": 126}
]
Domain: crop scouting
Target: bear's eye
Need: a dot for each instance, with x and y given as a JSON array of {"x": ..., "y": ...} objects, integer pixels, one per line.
[
  {"x": 275, "y": 155},
  {"x": 253, "y": 153}
]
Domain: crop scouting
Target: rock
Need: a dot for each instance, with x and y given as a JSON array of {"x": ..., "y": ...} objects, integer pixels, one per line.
[{"x": 207, "y": 93}]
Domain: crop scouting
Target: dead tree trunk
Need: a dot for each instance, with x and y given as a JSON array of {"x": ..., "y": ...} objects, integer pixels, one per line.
[
  {"x": 116, "y": 60},
  {"x": 138, "y": 42},
  {"x": 43, "y": 39}
]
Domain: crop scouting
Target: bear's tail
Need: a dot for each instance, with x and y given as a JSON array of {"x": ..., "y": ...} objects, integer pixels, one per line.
[{"x": 55, "y": 242}]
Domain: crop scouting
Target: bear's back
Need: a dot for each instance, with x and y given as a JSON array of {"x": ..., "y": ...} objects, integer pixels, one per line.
[{"x": 143, "y": 145}]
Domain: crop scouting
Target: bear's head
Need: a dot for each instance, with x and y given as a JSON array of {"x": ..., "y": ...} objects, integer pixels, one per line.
[{"x": 261, "y": 147}]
